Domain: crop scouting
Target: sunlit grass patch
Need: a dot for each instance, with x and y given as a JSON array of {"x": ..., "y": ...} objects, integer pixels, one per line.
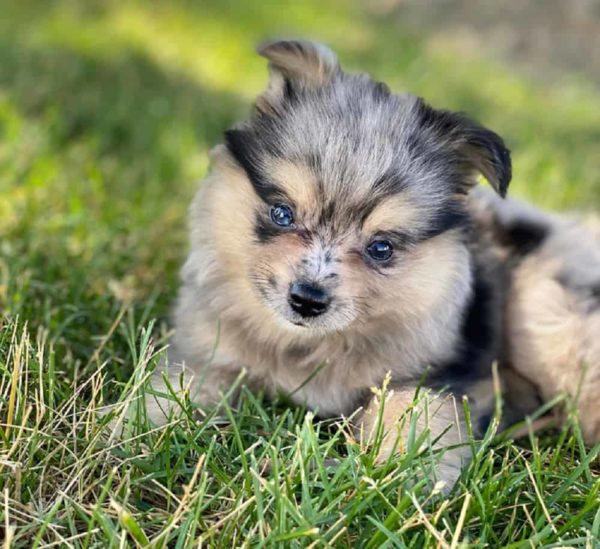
[{"x": 264, "y": 474}]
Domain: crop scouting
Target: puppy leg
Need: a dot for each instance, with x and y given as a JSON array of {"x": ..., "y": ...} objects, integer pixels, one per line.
[
  {"x": 203, "y": 386},
  {"x": 553, "y": 338},
  {"x": 439, "y": 415},
  {"x": 170, "y": 385}
]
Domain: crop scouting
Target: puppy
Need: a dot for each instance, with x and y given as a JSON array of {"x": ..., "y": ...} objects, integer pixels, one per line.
[{"x": 336, "y": 240}]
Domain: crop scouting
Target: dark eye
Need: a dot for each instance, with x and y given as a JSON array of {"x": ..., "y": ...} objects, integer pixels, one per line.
[
  {"x": 282, "y": 215},
  {"x": 380, "y": 250}
]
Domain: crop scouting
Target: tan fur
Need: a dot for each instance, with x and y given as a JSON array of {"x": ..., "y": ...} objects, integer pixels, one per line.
[
  {"x": 393, "y": 212},
  {"x": 552, "y": 315},
  {"x": 297, "y": 180},
  {"x": 554, "y": 340},
  {"x": 440, "y": 416}
]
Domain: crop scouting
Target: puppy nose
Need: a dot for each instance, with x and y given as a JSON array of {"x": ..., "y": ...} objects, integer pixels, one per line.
[{"x": 308, "y": 300}]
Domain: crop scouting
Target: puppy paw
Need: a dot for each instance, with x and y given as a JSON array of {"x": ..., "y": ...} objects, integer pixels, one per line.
[{"x": 402, "y": 421}]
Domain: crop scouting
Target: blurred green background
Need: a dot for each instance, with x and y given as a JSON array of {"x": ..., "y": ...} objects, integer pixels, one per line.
[{"x": 108, "y": 109}]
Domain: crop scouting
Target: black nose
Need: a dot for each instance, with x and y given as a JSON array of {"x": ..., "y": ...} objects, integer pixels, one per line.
[{"x": 308, "y": 300}]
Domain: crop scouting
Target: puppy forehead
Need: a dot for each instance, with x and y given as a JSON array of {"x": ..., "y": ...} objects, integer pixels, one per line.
[
  {"x": 313, "y": 189},
  {"x": 396, "y": 211},
  {"x": 345, "y": 150},
  {"x": 351, "y": 138},
  {"x": 343, "y": 206},
  {"x": 296, "y": 180}
]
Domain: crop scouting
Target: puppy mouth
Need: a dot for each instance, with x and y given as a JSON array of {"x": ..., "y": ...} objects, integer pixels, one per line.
[
  {"x": 298, "y": 323},
  {"x": 306, "y": 322},
  {"x": 289, "y": 315},
  {"x": 333, "y": 320}
]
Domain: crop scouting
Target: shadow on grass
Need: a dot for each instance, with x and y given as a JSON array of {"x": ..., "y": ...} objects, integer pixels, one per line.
[
  {"x": 127, "y": 104},
  {"x": 101, "y": 157}
]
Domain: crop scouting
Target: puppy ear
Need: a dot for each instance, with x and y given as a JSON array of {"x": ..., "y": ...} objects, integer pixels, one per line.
[
  {"x": 487, "y": 153},
  {"x": 295, "y": 65},
  {"x": 481, "y": 150}
]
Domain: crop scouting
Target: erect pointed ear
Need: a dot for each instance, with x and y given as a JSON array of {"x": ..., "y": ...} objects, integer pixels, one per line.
[
  {"x": 295, "y": 65},
  {"x": 481, "y": 150}
]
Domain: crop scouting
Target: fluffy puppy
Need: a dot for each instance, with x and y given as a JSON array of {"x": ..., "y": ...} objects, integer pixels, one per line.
[{"x": 333, "y": 243}]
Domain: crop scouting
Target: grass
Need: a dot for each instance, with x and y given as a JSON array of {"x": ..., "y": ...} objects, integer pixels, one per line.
[{"x": 107, "y": 112}]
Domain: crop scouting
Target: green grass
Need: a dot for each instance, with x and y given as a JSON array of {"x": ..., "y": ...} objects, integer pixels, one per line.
[{"x": 107, "y": 113}]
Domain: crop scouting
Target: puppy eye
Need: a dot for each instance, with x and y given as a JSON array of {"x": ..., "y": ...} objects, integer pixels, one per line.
[
  {"x": 380, "y": 250},
  {"x": 282, "y": 215}
]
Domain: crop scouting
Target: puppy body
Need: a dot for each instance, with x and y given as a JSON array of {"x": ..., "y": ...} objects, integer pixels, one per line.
[
  {"x": 337, "y": 240},
  {"x": 552, "y": 306}
]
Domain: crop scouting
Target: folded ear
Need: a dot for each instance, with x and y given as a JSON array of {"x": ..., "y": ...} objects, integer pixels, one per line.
[
  {"x": 488, "y": 154},
  {"x": 295, "y": 65},
  {"x": 481, "y": 150}
]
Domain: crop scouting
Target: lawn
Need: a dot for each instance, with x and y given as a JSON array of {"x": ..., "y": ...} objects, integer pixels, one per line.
[{"x": 107, "y": 113}]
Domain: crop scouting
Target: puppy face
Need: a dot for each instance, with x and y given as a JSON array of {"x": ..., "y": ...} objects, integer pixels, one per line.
[{"x": 340, "y": 204}]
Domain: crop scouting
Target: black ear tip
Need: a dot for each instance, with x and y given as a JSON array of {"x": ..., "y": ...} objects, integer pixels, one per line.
[{"x": 505, "y": 174}]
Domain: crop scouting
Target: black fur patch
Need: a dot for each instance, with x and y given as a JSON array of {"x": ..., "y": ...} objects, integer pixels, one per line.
[
  {"x": 381, "y": 91},
  {"x": 523, "y": 236},
  {"x": 452, "y": 216},
  {"x": 478, "y": 337},
  {"x": 289, "y": 92},
  {"x": 313, "y": 160},
  {"x": 264, "y": 229},
  {"x": 327, "y": 214},
  {"x": 239, "y": 144},
  {"x": 496, "y": 152},
  {"x": 400, "y": 240},
  {"x": 477, "y": 331},
  {"x": 441, "y": 121},
  {"x": 595, "y": 292}
]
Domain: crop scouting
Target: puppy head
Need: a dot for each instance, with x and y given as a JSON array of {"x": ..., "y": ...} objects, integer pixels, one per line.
[{"x": 341, "y": 204}]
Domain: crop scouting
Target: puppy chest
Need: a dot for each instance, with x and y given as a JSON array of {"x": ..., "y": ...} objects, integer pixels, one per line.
[
  {"x": 328, "y": 398},
  {"x": 328, "y": 388}
]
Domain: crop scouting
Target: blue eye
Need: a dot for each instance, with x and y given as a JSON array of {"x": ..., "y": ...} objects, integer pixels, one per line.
[
  {"x": 380, "y": 250},
  {"x": 282, "y": 215}
]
